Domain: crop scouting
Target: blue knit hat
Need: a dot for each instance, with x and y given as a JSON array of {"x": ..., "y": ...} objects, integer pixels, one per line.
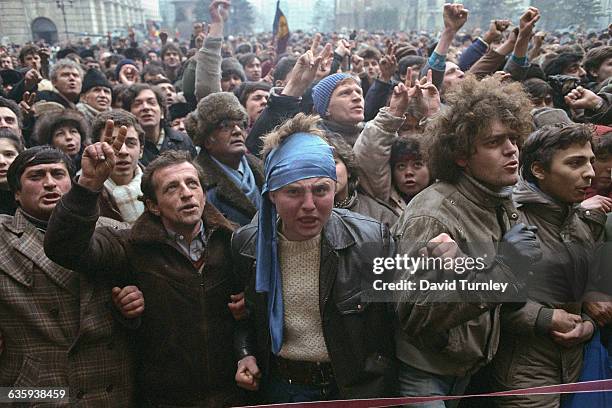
[{"x": 322, "y": 92}]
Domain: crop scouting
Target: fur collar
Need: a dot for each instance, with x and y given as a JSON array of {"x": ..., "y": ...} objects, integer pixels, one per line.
[
  {"x": 149, "y": 228},
  {"x": 214, "y": 176}
]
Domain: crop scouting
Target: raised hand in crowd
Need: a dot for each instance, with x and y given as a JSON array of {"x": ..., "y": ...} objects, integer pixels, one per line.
[
  {"x": 528, "y": 20},
  {"x": 356, "y": 64},
  {"x": 526, "y": 25},
  {"x": 343, "y": 47},
  {"x": 27, "y": 103},
  {"x": 31, "y": 79},
  {"x": 454, "y": 16},
  {"x": 423, "y": 91},
  {"x": 128, "y": 74},
  {"x": 199, "y": 40},
  {"x": 98, "y": 159},
  {"x": 305, "y": 70},
  {"x": 582, "y": 98},
  {"x": 388, "y": 63},
  {"x": 402, "y": 94},
  {"x": 219, "y": 14},
  {"x": 200, "y": 31},
  {"x": 324, "y": 68},
  {"x": 429, "y": 94},
  {"x": 508, "y": 45},
  {"x": 129, "y": 301},
  {"x": 495, "y": 31},
  {"x": 269, "y": 78},
  {"x": 537, "y": 41}
]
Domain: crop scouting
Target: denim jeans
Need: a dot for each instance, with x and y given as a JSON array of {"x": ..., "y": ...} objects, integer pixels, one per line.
[
  {"x": 417, "y": 383},
  {"x": 276, "y": 390}
]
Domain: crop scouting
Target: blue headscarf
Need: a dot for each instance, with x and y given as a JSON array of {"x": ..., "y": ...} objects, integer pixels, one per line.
[{"x": 298, "y": 157}]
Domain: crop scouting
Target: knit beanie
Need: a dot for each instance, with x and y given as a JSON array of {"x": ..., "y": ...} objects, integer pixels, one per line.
[
  {"x": 93, "y": 78},
  {"x": 231, "y": 66},
  {"x": 211, "y": 110},
  {"x": 322, "y": 92},
  {"x": 178, "y": 110},
  {"x": 10, "y": 76}
]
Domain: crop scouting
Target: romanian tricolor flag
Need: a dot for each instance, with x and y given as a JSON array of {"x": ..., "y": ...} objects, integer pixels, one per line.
[{"x": 280, "y": 30}]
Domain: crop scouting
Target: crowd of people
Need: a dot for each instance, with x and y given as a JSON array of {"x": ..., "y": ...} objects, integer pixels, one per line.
[{"x": 196, "y": 225}]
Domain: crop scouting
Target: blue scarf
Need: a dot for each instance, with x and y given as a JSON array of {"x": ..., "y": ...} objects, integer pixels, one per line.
[
  {"x": 245, "y": 181},
  {"x": 300, "y": 156}
]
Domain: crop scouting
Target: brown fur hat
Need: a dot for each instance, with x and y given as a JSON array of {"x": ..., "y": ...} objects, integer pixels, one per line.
[
  {"x": 47, "y": 124},
  {"x": 210, "y": 112}
]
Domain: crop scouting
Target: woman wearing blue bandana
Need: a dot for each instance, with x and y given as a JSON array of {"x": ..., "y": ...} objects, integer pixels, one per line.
[{"x": 310, "y": 334}]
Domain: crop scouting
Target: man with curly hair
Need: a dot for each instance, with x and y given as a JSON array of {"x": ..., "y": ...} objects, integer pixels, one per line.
[{"x": 445, "y": 336}]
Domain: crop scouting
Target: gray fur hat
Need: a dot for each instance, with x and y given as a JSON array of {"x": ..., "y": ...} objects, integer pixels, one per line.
[{"x": 210, "y": 112}]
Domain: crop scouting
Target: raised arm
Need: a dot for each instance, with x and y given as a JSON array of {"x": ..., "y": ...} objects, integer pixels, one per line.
[
  {"x": 517, "y": 64},
  {"x": 72, "y": 239},
  {"x": 208, "y": 58},
  {"x": 455, "y": 16}
]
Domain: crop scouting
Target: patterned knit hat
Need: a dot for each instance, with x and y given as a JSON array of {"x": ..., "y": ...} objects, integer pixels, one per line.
[{"x": 322, "y": 92}]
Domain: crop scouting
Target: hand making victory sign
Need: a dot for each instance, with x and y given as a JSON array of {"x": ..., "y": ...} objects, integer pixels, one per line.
[{"x": 99, "y": 158}]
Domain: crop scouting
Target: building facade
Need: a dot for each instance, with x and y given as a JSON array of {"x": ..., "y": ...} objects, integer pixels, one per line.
[
  {"x": 389, "y": 15},
  {"x": 26, "y": 20}
]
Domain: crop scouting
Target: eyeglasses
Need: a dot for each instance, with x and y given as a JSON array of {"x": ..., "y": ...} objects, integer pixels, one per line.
[{"x": 231, "y": 124}]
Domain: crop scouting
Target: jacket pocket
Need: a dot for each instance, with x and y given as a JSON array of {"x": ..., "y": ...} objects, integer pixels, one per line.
[
  {"x": 468, "y": 342},
  {"x": 28, "y": 374},
  {"x": 353, "y": 304}
]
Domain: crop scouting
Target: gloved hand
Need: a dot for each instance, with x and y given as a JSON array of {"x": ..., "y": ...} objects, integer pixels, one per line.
[{"x": 520, "y": 243}]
